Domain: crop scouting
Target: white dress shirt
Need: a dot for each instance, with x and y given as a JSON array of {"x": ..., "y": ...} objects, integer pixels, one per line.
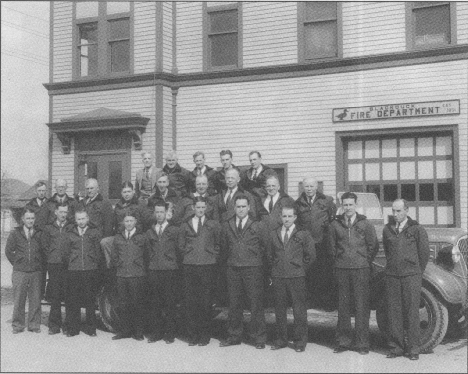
[
  {"x": 233, "y": 191},
  {"x": 244, "y": 221},
  {"x": 162, "y": 226},
  {"x": 129, "y": 234},
  {"x": 195, "y": 221},
  {"x": 290, "y": 230},
  {"x": 275, "y": 198}
]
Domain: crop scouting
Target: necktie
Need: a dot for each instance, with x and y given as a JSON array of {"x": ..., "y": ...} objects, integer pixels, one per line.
[
  {"x": 310, "y": 200},
  {"x": 199, "y": 172},
  {"x": 228, "y": 200},
  {"x": 239, "y": 227},
  {"x": 254, "y": 174},
  {"x": 398, "y": 227},
  {"x": 160, "y": 231},
  {"x": 199, "y": 225},
  {"x": 286, "y": 237},
  {"x": 147, "y": 173},
  {"x": 29, "y": 235},
  {"x": 270, "y": 206},
  {"x": 349, "y": 223},
  {"x": 39, "y": 202}
]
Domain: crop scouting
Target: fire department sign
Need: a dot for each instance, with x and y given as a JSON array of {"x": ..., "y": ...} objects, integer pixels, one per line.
[{"x": 424, "y": 109}]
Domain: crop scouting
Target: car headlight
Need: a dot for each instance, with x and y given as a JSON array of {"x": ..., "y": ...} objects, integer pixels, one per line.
[{"x": 456, "y": 254}]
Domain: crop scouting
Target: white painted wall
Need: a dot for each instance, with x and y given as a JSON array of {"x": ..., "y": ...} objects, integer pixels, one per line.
[
  {"x": 62, "y": 41},
  {"x": 189, "y": 37},
  {"x": 144, "y": 31}
]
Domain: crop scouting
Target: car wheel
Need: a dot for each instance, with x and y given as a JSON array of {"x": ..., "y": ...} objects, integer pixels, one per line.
[{"x": 109, "y": 309}]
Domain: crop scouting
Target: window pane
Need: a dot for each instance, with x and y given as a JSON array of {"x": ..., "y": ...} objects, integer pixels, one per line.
[
  {"x": 426, "y": 192},
  {"x": 87, "y": 9},
  {"x": 407, "y": 170},
  {"x": 444, "y": 169},
  {"x": 443, "y": 146},
  {"x": 88, "y": 60},
  {"x": 389, "y": 147},
  {"x": 444, "y": 192},
  {"x": 374, "y": 188},
  {"x": 356, "y": 188},
  {"x": 320, "y": 10},
  {"x": 372, "y": 172},
  {"x": 118, "y": 7},
  {"x": 120, "y": 53},
  {"x": 224, "y": 50},
  {"x": 119, "y": 29},
  {"x": 223, "y": 21},
  {"x": 425, "y": 147},
  {"x": 426, "y": 215},
  {"x": 320, "y": 40},
  {"x": 88, "y": 33},
  {"x": 432, "y": 25},
  {"x": 372, "y": 149},
  {"x": 445, "y": 215},
  {"x": 115, "y": 179},
  {"x": 390, "y": 192},
  {"x": 355, "y": 172},
  {"x": 91, "y": 170},
  {"x": 407, "y": 147},
  {"x": 354, "y": 150},
  {"x": 408, "y": 192},
  {"x": 425, "y": 170},
  {"x": 389, "y": 171}
]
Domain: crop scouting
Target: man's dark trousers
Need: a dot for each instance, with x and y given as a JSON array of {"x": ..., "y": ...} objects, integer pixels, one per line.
[
  {"x": 250, "y": 279},
  {"x": 131, "y": 291},
  {"x": 56, "y": 288},
  {"x": 353, "y": 284},
  {"x": 403, "y": 297},
  {"x": 295, "y": 287},
  {"x": 163, "y": 298},
  {"x": 198, "y": 281}
]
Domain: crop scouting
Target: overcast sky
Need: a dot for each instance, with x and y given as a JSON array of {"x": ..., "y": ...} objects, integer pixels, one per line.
[{"x": 24, "y": 100}]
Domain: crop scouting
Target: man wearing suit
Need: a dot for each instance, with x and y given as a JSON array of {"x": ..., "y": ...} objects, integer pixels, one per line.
[
  {"x": 291, "y": 253},
  {"x": 406, "y": 248},
  {"x": 271, "y": 207},
  {"x": 202, "y": 169},
  {"x": 220, "y": 176},
  {"x": 245, "y": 243},
  {"x": 353, "y": 245},
  {"x": 146, "y": 178},
  {"x": 254, "y": 179},
  {"x": 179, "y": 177}
]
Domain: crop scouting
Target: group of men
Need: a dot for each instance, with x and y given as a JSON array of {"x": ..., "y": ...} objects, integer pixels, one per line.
[{"x": 212, "y": 227}]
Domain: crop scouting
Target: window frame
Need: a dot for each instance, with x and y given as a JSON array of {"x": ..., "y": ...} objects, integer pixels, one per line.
[
  {"x": 104, "y": 53},
  {"x": 207, "y": 66},
  {"x": 410, "y": 26},
  {"x": 301, "y": 21}
]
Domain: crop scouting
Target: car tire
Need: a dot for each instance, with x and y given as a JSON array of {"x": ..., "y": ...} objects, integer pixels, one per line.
[{"x": 109, "y": 309}]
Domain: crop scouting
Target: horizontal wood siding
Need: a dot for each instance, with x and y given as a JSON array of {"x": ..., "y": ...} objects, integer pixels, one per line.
[
  {"x": 269, "y": 33},
  {"x": 62, "y": 42},
  {"x": 289, "y": 120},
  {"x": 144, "y": 31},
  {"x": 189, "y": 37},
  {"x": 167, "y": 119},
  {"x": 63, "y": 165},
  {"x": 373, "y": 28},
  {"x": 216, "y": 3},
  {"x": 167, "y": 36},
  {"x": 135, "y": 100},
  {"x": 462, "y": 22}
]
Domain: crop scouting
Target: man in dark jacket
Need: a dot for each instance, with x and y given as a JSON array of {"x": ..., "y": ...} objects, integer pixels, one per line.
[
  {"x": 291, "y": 253},
  {"x": 129, "y": 258},
  {"x": 165, "y": 194},
  {"x": 202, "y": 169},
  {"x": 406, "y": 248},
  {"x": 40, "y": 206},
  {"x": 24, "y": 251},
  {"x": 245, "y": 243},
  {"x": 179, "y": 177},
  {"x": 220, "y": 176},
  {"x": 353, "y": 245},
  {"x": 254, "y": 179},
  {"x": 199, "y": 247},
  {"x": 82, "y": 257},
  {"x": 59, "y": 198},
  {"x": 271, "y": 206},
  {"x": 54, "y": 239}
]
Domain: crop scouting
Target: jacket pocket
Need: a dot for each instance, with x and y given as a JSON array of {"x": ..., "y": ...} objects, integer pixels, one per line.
[
  {"x": 295, "y": 264},
  {"x": 362, "y": 254},
  {"x": 410, "y": 261},
  {"x": 169, "y": 257},
  {"x": 252, "y": 250}
]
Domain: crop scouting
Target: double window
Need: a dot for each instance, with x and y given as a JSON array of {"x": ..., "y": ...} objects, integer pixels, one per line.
[{"x": 102, "y": 38}]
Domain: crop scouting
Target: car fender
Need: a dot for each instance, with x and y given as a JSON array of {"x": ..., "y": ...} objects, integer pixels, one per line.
[{"x": 450, "y": 286}]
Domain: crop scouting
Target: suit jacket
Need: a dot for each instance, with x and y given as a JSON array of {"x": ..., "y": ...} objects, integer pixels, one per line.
[
  {"x": 24, "y": 255},
  {"x": 129, "y": 255},
  {"x": 257, "y": 186},
  {"x": 101, "y": 214},
  {"x": 162, "y": 251},
  {"x": 295, "y": 258},
  {"x": 154, "y": 174},
  {"x": 135, "y": 207},
  {"x": 183, "y": 209},
  {"x": 220, "y": 179},
  {"x": 273, "y": 220},
  {"x": 210, "y": 175},
  {"x": 225, "y": 213}
]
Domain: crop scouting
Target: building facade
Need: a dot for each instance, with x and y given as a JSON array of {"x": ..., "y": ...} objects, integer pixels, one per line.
[{"x": 366, "y": 96}]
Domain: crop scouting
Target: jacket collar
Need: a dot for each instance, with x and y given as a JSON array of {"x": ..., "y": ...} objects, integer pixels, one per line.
[
  {"x": 318, "y": 195},
  {"x": 20, "y": 229},
  {"x": 176, "y": 169},
  {"x": 132, "y": 201},
  {"x": 53, "y": 199},
  {"x": 33, "y": 201},
  {"x": 282, "y": 195},
  {"x": 278, "y": 233},
  {"x": 232, "y": 224},
  {"x": 170, "y": 193},
  {"x": 97, "y": 198},
  {"x": 342, "y": 219},
  {"x": 207, "y": 169}
]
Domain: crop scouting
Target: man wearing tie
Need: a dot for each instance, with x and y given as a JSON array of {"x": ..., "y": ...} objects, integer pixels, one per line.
[
  {"x": 39, "y": 205},
  {"x": 270, "y": 210},
  {"x": 220, "y": 176},
  {"x": 202, "y": 169},
  {"x": 254, "y": 179},
  {"x": 244, "y": 247},
  {"x": 407, "y": 251},
  {"x": 179, "y": 177},
  {"x": 199, "y": 246},
  {"x": 61, "y": 197},
  {"x": 291, "y": 252},
  {"x": 353, "y": 245},
  {"x": 164, "y": 193},
  {"x": 146, "y": 178}
]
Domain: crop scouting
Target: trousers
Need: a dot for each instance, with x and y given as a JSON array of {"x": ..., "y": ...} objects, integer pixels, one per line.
[
  {"x": 132, "y": 292},
  {"x": 56, "y": 288},
  {"x": 26, "y": 285}
]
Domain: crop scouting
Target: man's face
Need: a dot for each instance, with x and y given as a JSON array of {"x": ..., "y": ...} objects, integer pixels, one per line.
[
  {"x": 147, "y": 160},
  {"x": 242, "y": 208},
  {"x": 288, "y": 217},
  {"x": 226, "y": 161},
  {"x": 162, "y": 183},
  {"x": 28, "y": 219},
  {"x": 130, "y": 223},
  {"x": 255, "y": 160},
  {"x": 41, "y": 192},
  {"x": 171, "y": 162},
  {"x": 160, "y": 214},
  {"x": 399, "y": 211},
  {"x": 272, "y": 187},
  {"x": 232, "y": 179},
  {"x": 61, "y": 213},
  {"x": 200, "y": 208},
  {"x": 127, "y": 193},
  {"x": 201, "y": 185},
  {"x": 199, "y": 161},
  {"x": 82, "y": 219},
  {"x": 92, "y": 189},
  {"x": 310, "y": 187},
  {"x": 349, "y": 206},
  {"x": 61, "y": 187}
]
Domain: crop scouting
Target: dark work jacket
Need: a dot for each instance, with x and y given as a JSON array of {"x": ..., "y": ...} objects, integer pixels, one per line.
[
  {"x": 355, "y": 247},
  {"x": 179, "y": 179},
  {"x": 101, "y": 214},
  {"x": 210, "y": 174},
  {"x": 162, "y": 252},
  {"x": 171, "y": 197},
  {"x": 225, "y": 213},
  {"x": 316, "y": 217},
  {"x": 257, "y": 186},
  {"x": 43, "y": 215},
  {"x": 69, "y": 200},
  {"x": 247, "y": 248},
  {"x": 83, "y": 252},
  {"x": 54, "y": 241},
  {"x": 129, "y": 256},
  {"x": 183, "y": 209},
  {"x": 292, "y": 260},
  {"x": 23, "y": 255},
  {"x": 134, "y": 207},
  {"x": 273, "y": 220},
  {"x": 202, "y": 249},
  {"x": 407, "y": 252},
  {"x": 220, "y": 179}
]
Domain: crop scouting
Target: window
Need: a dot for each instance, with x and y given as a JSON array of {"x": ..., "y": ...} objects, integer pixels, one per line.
[
  {"x": 222, "y": 39},
  {"x": 430, "y": 24},
  {"x": 319, "y": 30},
  {"x": 102, "y": 29}
]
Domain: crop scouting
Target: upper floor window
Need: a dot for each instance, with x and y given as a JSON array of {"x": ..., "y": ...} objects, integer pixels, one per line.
[
  {"x": 430, "y": 24},
  {"x": 102, "y": 42},
  {"x": 222, "y": 37}
]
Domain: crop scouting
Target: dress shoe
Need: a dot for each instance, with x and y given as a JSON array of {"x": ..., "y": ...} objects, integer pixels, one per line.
[
  {"x": 121, "y": 336},
  {"x": 203, "y": 343},
  {"x": 37, "y": 331},
  {"x": 228, "y": 343},
  {"x": 154, "y": 338},
  {"x": 90, "y": 332},
  {"x": 138, "y": 337},
  {"x": 260, "y": 345},
  {"x": 17, "y": 331},
  {"x": 275, "y": 347},
  {"x": 393, "y": 355},
  {"x": 192, "y": 343},
  {"x": 363, "y": 351},
  {"x": 54, "y": 331},
  {"x": 340, "y": 349},
  {"x": 72, "y": 333},
  {"x": 169, "y": 340},
  {"x": 413, "y": 356},
  {"x": 299, "y": 348}
]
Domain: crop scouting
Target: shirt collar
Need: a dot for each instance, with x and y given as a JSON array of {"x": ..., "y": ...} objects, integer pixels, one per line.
[
  {"x": 353, "y": 218},
  {"x": 195, "y": 220},
  {"x": 233, "y": 191},
  {"x": 60, "y": 224},
  {"x": 197, "y": 194},
  {"x": 244, "y": 220},
  {"x": 82, "y": 231},
  {"x": 131, "y": 232},
  {"x": 290, "y": 230},
  {"x": 163, "y": 225},
  {"x": 26, "y": 230},
  {"x": 403, "y": 224}
]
